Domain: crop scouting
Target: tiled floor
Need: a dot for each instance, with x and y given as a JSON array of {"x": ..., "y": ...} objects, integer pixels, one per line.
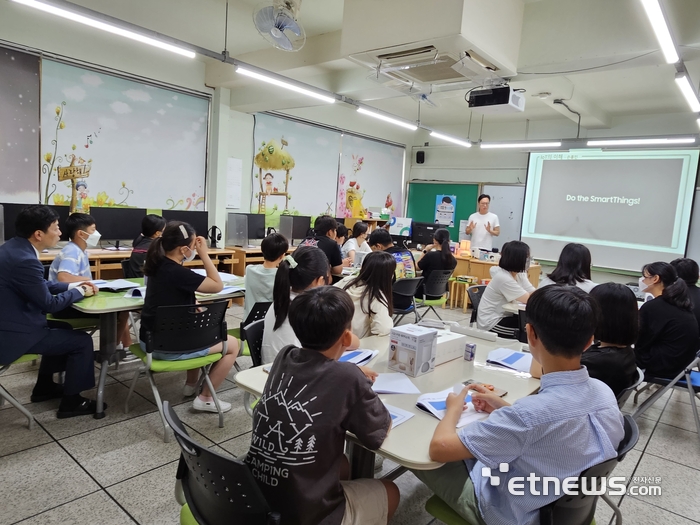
[{"x": 117, "y": 470}]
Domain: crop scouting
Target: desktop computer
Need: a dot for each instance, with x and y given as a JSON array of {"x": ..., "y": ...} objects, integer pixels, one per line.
[
  {"x": 118, "y": 224},
  {"x": 294, "y": 227},
  {"x": 242, "y": 228},
  {"x": 199, "y": 220},
  {"x": 422, "y": 232}
]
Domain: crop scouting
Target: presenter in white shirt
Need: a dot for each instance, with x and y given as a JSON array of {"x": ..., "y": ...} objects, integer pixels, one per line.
[{"x": 483, "y": 225}]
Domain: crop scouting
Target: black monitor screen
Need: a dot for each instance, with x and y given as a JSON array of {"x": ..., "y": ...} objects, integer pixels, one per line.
[
  {"x": 199, "y": 220},
  {"x": 256, "y": 225},
  {"x": 422, "y": 232},
  {"x": 118, "y": 223},
  {"x": 11, "y": 211}
]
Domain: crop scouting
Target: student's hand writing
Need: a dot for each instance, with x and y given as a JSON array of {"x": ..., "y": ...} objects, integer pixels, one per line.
[
  {"x": 369, "y": 373},
  {"x": 484, "y": 400},
  {"x": 455, "y": 402},
  {"x": 200, "y": 245}
]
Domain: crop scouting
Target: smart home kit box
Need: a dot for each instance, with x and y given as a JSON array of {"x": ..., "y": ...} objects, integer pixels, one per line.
[
  {"x": 449, "y": 346},
  {"x": 412, "y": 349}
]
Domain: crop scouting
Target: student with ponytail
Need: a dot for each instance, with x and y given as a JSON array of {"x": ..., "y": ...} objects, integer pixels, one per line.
[
  {"x": 306, "y": 268},
  {"x": 169, "y": 284},
  {"x": 436, "y": 256},
  {"x": 668, "y": 330}
]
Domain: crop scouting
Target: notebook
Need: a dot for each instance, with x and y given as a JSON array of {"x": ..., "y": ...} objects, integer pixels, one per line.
[
  {"x": 436, "y": 405},
  {"x": 116, "y": 285},
  {"x": 512, "y": 359},
  {"x": 358, "y": 357}
]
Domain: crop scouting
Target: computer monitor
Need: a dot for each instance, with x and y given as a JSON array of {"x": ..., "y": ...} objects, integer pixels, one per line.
[
  {"x": 199, "y": 220},
  {"x": 63, "y": 212},
  {"x": 242, "y": 228},
  {"x": 294, "y": 227},
  {"x": 359, "y": 258},
  {"x": 423, "y": 232},
  {"x": 10, "y": 212},
  {"x": 118, "y": 224}
]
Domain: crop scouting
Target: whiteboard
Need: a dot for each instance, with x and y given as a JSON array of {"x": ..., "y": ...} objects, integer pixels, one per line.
[
  {"x": 693, "y": 249},
  {"x": 507, "y": 203}
]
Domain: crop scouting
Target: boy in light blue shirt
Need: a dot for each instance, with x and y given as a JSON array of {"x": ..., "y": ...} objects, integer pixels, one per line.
[
  {"x": 572, "y": 424},
  {"x": 260, "y": 278}
]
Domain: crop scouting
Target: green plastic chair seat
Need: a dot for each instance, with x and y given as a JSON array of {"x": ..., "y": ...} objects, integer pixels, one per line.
[
  {"x": 432, "y": 302},
  {"x": 437, "y": 508},
  {"x": 236, "y": 332},
  {"x": 79, "y": 323},
  {"x": 186, "y": 517},
  {"x": 158, "y": 365},
  {"x": 25, "y": 358}
]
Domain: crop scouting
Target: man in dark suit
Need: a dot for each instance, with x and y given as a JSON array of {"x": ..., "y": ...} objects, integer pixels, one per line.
[{"x": 26, "y": 298}]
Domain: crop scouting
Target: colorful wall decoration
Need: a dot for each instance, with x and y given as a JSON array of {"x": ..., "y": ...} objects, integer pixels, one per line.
[
  {"x": 19, "y": 127},
  {"x": 294, "y": 169},
  {"x": 109, "y": 141}
]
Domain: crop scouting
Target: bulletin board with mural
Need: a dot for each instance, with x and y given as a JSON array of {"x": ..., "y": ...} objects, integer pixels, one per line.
[
  {"x": 425, "y": 206},
  {"x": 110, "y": 141},
  {"x": 303, "y": 169}
]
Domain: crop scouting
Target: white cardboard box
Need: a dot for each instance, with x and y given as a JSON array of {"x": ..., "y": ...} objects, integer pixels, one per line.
[
  {"x": 412, "y": 349},
  {"x": 449, "y": 346}
]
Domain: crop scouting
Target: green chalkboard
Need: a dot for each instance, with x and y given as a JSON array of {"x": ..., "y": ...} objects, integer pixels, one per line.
[{"x": 421, "y": 202}]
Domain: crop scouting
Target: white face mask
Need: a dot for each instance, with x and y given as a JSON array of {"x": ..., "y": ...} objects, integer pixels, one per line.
[
  {"x": 93, "y": 239},
  {"x": 191, "y": 256},
  {"x": 642, "y": 286}
]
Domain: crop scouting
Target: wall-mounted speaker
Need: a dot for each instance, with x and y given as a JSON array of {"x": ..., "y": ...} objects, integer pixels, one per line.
[{"x": 420, "y": 157}]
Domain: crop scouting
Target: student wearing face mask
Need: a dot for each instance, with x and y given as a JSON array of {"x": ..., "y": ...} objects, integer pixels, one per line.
[
  {"x": 169, "y": 284},
  {"x": 72, "y": 265}
]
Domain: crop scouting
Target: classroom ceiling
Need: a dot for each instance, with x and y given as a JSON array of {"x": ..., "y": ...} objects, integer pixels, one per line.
[{"x": 600, "y": 56}]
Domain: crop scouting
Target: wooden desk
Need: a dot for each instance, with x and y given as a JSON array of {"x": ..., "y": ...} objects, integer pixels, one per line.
[
  {"x": 246, "y": 256},
  {"x": 106, "y": 264},
  {"x": 408, "y": 444}
]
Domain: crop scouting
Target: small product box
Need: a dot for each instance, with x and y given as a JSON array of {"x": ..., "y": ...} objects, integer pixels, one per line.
[
  {"x": 412, "y": 349},
  {"x": 450, "y": 346}
]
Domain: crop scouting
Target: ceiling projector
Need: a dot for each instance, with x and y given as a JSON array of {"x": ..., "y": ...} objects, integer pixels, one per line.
[{"x": 496, "y": 100}]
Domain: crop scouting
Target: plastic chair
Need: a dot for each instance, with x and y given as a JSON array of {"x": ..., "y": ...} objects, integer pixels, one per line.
[
  {"x": 177, "y": 330},
  {"x": 217, "y": 489},
  {"x": 254, "y": 338},
  {"x": 475, "y": 293},
  {"x": 569, "y": 509},
  {"x": 6, "y": 396},
  {"x": 688, "y": 379},
  {"x": 435, "y": 286},
  {"x": 406, "y": 288},
  {"x": 625, "y": 394},
  {"x": 259, "y": 311}
]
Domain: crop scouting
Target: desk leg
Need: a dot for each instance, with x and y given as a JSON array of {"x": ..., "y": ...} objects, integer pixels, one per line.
[
  {"x": 107, "y": 354},
  {"x": 361, "y": 461}
]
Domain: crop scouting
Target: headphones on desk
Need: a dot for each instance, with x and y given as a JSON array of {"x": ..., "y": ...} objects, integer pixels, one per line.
[{"x": 214, "y": 236}]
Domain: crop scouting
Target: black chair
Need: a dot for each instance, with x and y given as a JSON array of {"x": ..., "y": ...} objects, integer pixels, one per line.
[
  {"x": 580, "y": 509},
  {"x": 217, "y": 489},
  {"x": 688, "y": 379},
  {"x": 435, "y": 286},
  {"x": 127, "y": 271},
  {"x": 258, "y": 312},
  {"x": 178, "y": 330},
  {"x": 47, "y": 267},
  {"x": 254, "y": 338},
  {"x": 406, "y": 288},
  {"x": 475, "y": 293},
  {"x": 625, "y": 394}
]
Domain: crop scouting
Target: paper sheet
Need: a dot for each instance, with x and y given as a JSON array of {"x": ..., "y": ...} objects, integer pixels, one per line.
[
  {"x": 234, "y": 182},
  {"x": 394, "y": 384},
  {"x": 436, "y": 405},
  {"x": 225, "y": 277},
  {"x": 118, "y": 284},
  {"x": 519, "y": 361},
  {"x": 398, "y": 415},
  {"x": 136, "y": 293},
  {"x": 358, "y": 357}
]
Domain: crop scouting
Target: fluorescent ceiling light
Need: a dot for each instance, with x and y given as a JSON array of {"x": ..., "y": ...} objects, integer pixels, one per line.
[
  {"x": 451, "y": 139},
  {"x": 683, "y": 82},
  {"x": 641, "y": 142},
  {"x": 386, "y": 118},
  {"x": 283, "y": 84},
  {"x": 116, "y": 30},
  {"x": 519, "y": 145},
  {"x": 660, "y": 27}
]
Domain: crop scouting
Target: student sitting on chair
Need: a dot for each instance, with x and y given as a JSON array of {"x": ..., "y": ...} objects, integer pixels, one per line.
[
  {"x": 306, "y": 268},
  {"x": 668, "y": 331},
  {"x": 152, "y": 226},
  {"x": 573, "y": 268},
  {"x": 324, "y": 238},
  {"x": 358, "y": 241},
  {"x": 509, "y": 283},
  {"x": 611, "y": 358},
  {"x": 380, "y": 240},
  {"x": 687, "y": 269},
  {"x": 370, "y": 292},
  {"x": 572, "y": 424},
  {"x": 169, "y": 284},
  {"x": 260, "y": 278},
  {"x": 436, "y": 256},
  {"x": 296, "y": 455},
  {"x": 25, "y": 298},
  {"x": 72, "y": 265}
]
